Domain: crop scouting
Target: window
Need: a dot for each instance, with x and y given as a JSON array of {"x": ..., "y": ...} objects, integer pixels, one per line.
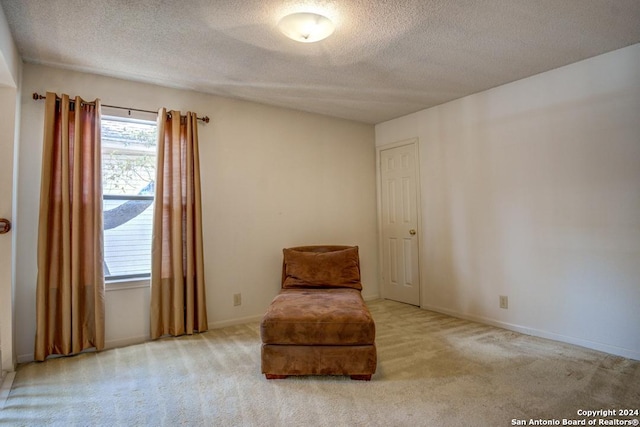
[{"x": 128, "y": 175}]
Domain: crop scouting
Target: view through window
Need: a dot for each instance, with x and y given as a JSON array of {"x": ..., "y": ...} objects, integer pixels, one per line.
[{"x": 128, "y": 172}]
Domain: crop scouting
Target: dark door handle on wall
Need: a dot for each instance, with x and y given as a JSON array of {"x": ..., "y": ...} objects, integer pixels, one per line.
[{"x": 5, "y": 225}]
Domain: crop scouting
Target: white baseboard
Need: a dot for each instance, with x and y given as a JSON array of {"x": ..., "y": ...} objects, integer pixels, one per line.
[
  {"x": 371, "y": 297},
  {"x": 232, "y": 322},
  {"x": 606, "y": 348},
  {"x": 25, "y": 358},
  {"x": 124, "y": 342}
]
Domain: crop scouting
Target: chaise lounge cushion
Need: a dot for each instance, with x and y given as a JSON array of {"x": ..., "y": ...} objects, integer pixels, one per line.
[
  {"x": 318, "y": 317},
  {"x": 340, "y": 268}
]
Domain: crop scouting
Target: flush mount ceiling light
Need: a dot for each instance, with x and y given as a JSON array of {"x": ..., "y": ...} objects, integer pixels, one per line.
[{"x": 306, "y": 27}]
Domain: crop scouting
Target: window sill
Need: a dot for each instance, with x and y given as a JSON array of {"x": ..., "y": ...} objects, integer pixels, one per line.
[{"x": 122, "y": 284}]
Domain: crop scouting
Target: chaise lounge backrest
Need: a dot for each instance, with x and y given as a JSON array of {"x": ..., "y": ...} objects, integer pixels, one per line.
[{"x": 322, "y": 266}]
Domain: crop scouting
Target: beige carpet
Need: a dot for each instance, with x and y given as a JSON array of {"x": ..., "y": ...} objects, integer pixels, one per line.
[{"x": 433, "y": 370}]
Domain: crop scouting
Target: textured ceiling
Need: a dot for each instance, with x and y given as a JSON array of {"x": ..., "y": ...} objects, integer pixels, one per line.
[{"x": 384, "y": 60}]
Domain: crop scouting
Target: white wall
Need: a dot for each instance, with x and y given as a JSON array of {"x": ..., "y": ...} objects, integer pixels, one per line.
[
  {"x": 272, "y": 178},
  {"x": 532, "y": 190}
]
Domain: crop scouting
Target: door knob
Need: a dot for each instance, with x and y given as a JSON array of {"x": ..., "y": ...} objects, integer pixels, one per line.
[
  {"x": 412, "y": 232},
  {"x": 5, "y": 225}
]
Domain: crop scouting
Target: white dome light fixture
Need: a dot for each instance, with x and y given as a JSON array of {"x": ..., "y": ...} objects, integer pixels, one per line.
[{"x": 306, "y": 27}]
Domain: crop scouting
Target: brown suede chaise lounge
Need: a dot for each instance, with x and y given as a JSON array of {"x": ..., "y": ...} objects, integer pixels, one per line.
[{"x": 319, "y": 324}]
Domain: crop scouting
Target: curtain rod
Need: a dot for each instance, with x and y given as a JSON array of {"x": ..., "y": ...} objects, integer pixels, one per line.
[{"x": 37, "y": 97}]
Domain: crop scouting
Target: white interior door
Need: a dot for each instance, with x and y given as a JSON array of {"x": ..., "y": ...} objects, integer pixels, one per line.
[{"x": 399, "y": 196}]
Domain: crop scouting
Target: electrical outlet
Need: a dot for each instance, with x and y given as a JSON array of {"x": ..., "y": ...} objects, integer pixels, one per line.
[
  {"x": 504, "y": 301},
  {"x": 237, "y": 299}
]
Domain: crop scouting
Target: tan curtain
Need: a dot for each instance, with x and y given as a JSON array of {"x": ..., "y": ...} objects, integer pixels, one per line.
[
  {"x": 178, "y": 303},
  {"x": 70, "y": 288}
]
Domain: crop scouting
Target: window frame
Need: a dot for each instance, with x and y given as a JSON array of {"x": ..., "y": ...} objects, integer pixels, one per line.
[{"x": 138, "y": 280}]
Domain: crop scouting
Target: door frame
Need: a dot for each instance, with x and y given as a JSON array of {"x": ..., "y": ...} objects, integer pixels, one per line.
[
  {"x": 416, "y": 147},
  {"x": 9, "y": 125}
]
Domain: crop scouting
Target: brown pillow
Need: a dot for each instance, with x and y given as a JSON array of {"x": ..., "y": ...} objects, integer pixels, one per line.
[{"x": 322, "y": 269}]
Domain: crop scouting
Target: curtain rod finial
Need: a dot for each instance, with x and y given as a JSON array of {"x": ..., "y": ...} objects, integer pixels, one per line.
[{"x": 37, "y": 96}]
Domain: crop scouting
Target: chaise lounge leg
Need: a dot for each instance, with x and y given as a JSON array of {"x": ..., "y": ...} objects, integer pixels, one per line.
[
  {"x": 361, "y": 377},
  {"x": 275, "y": 377}
]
